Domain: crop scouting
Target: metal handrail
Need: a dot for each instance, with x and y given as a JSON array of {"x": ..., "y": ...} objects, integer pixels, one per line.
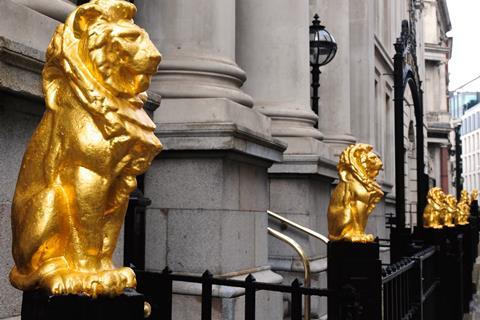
[
  {"x": 297, "y": 226},
  {"x": 306, "y": 266}
]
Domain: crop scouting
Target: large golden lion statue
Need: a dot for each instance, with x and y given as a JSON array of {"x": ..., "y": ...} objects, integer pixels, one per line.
[
  {"x": 81, "y": 163},
  {"x": 356, "y": 195}
]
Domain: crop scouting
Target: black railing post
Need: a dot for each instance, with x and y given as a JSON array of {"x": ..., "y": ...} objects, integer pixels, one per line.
[
  {"x": 207, "y": 295},
  {"x": 475, "y": 225},
  {"x": 468, "y": 261},
  {"x": 296, "y": 309},
  {"x": 157, "y": 289},
  {"x": 399, "y": 89},
  {"x": 165, "y": 292},
  {"x": 250, "y": 298},
  {"x": 358, "y": 266},
  {"x": 134, "y": 230},
  {"x": 451, "y": 270}
]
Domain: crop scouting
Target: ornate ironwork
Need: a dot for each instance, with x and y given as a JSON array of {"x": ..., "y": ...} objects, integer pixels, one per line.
[{"x": 406, "y": 75}]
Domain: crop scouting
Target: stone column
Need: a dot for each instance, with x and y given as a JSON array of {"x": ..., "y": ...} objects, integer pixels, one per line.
[
  {"x": 197, "y": 41},
  {"x": 362, "y": 75},
  {"x": 273, "y": 49},
  {"x": 209, "y": 187},
  {"x": 334, "y": 112}
]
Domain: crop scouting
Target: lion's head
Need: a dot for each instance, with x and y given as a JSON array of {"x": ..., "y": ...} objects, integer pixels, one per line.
[
  {"x": 473, "y": 195},
  {"x": 436, "y": 198},
  {"x": 100, "y": 46},
  {"x": 451, "y": 202},
  {"x": 361, "y": 161}
]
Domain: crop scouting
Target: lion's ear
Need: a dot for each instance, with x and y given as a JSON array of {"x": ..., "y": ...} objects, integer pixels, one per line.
[{"x": 85, "y": 16}]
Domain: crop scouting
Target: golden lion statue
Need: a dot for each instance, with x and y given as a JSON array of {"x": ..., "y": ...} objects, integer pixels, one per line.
[
  {"x": 80, "y": 165},
  {"x": 356, "y": 195},
  {"x": 450, "y": 211},
  {"x": 433, "y": 213},
  {"x": 463, "y": 209},
  {"x": 473, "y": 196}
]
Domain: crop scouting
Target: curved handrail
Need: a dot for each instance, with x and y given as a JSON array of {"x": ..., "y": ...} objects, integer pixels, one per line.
[
  {"x": 306, "y": 266},
  {"x": 297, "y": 226}
]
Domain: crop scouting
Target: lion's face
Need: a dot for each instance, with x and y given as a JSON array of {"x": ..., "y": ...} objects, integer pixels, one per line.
[
  {"x": 123, "y": 56},
  {"x": 117, "y": 52},
  {"x": 373, "y": 164},
  {"x": 436, "y": 198}
]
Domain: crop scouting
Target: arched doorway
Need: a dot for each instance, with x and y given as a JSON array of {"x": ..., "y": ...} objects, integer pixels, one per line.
[{"x": 409, "y": 141}]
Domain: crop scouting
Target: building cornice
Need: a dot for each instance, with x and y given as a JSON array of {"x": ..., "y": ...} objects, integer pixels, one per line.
[
  {"x": 435, "y": 51},
  {"x": 443, "y": 9}
]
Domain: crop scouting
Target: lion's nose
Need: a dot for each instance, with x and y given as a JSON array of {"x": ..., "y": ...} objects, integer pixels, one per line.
[{"x": 155, "y": 59}]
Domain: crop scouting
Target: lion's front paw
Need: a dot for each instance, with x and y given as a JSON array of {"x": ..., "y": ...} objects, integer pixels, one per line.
[
  {"x": 72, "y": 282},
  {"x": 362, "y": 238},
  {"x": 115, "y": 281},
  {"x": 109, "y": 282}
]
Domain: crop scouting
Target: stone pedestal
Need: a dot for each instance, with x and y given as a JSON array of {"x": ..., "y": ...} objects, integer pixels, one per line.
[{"x": 41, "y": 306}]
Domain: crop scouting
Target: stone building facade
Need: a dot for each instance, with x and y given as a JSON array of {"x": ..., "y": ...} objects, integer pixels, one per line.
[
  {"x": 470, "y": 137},
  {"x": 438, "y": 48},
  {"x": 239, "y": 133}
]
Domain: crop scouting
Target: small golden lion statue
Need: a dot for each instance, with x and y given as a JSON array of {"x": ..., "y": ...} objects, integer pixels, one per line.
[
  {"x": 473, "y": 196},
  {"x": 81, "y": 163},
  {"x": 356, "y": 195},
  {"x": 433, "y": 213},
  {"x": 463, "y": 209},
  {"x": 450, "y": 211}
]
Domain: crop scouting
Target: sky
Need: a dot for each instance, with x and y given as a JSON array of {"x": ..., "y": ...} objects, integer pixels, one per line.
[{"x": 465, "y": 62}]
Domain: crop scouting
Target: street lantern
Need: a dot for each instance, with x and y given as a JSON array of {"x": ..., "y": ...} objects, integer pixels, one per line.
[{"x": 322, "y": 50}]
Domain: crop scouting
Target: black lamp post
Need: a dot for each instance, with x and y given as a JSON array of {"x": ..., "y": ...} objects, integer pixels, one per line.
[{"x": 322, "y": 50}]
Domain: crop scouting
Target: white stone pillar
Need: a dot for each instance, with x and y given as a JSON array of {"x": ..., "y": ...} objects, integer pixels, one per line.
[
  {"x": 335, "y": 99},
  {"x": 362, "y": 74},
  {"x": 273, "y": 48},
  {"x": 209, "y": 187},
  {"x": 197, "y": 41}
]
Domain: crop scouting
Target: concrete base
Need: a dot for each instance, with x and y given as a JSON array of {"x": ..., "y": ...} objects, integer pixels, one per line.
[
  {"x": 210, "y": 192},
  {"x": 304, "y": 199},
  {"x": 208, "y": 211}
]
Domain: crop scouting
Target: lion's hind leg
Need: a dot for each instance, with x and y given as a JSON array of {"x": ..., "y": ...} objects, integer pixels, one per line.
[{"x": 38, "y": 241}]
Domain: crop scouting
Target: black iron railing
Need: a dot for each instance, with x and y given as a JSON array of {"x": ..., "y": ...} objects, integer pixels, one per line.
[
  {"x": 399, "y": 292},
  {"x": 158, "y": 290},
  {"x": 410, "y": 287}
]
